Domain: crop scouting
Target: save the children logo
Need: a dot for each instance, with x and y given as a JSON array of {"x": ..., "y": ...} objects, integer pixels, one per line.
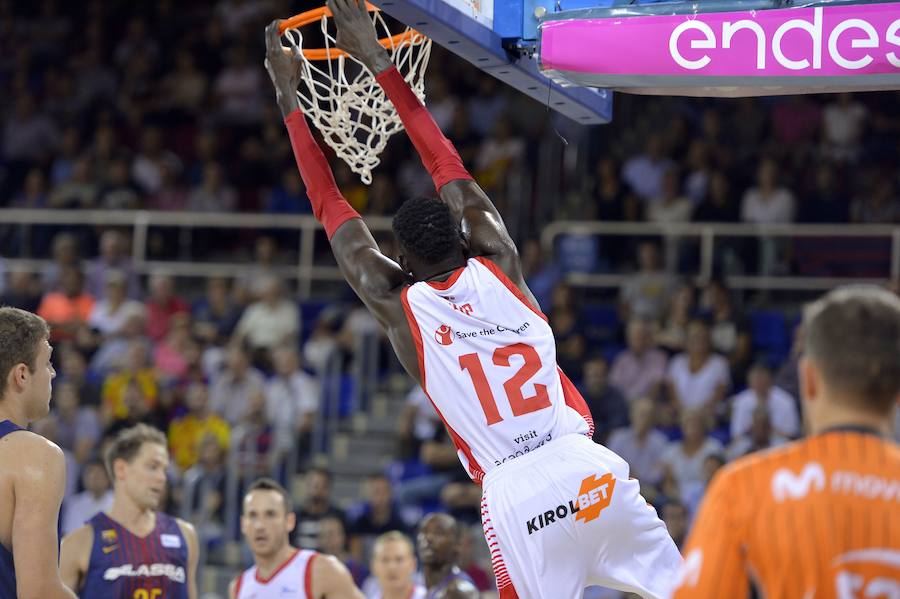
[{"x": 444, "y": 335}]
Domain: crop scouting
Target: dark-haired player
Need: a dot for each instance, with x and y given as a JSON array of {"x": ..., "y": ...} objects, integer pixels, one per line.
[
  {"x": 819, "y": 517},
  {"x": 560, "y": 513},
  {"x": 438, "y": 545},
  {"x": 32, "y": 469},
  {"x": 134, "y": 551},
  {"x": 281, "y": 571}
]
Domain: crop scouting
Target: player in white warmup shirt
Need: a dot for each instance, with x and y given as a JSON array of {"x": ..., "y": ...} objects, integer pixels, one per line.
[
  {"x": 281, "y": 571},
  {"x": 560, "y": 512}
]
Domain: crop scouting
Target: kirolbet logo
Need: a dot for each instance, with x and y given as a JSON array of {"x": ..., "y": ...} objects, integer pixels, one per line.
[{"x": 594, "y": 496}]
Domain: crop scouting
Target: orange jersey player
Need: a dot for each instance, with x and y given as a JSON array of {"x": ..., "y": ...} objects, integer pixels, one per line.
[{"x": 819, "y": 518}]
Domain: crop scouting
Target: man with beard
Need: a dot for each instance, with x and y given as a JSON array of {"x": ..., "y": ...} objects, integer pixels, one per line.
[{"x": 281, "y": 570}]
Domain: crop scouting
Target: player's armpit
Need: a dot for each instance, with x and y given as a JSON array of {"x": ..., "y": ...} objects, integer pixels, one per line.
[
  {"x": 332, "y": 580},
  {"x": 38, "y": 494},
  {"x": 193, "y": 547},
  {"x": 74, "y": 555},
  {"x": 713, "y": 562}
]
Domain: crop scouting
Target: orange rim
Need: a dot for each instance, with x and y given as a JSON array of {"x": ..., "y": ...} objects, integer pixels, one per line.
[{"x": 317, "y": 14}]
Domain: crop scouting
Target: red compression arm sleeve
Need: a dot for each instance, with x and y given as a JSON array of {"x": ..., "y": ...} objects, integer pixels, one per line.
[
  {"x": 437, "y": 152},
  {"x": 328, "y": 204}
]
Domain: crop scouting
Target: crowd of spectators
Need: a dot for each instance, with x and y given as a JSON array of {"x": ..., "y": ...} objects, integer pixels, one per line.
[{"x": 166, "y": 107}]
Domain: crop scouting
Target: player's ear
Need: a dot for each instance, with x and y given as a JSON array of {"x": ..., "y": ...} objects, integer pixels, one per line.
[
  {"x": 119, "y": 467},
  {"x": 404, "y": 263},
  {"x": 809, "y": 378},
  {"x": 291, "y": 521},
  {"x": 464, "y": 242},
  {"x": 18, "y": 376}
]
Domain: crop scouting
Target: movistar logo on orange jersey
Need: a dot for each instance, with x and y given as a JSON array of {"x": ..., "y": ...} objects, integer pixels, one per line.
[
  {"x": 593, "y": 497},
  {"x": 787, "y": 485}
]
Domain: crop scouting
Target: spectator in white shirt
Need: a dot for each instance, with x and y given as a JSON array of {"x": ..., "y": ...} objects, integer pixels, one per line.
[
  {"x": 644, "y": 173},
  {"x": 96, "y": 497},
  {"x": 271, "y": 321},
  {"x": 759, "y": 437},
  {"x": 640, "y": 444},
  {"x": 640, "y": 370},
  {"x": 230, "y": 395},
  {"x": 698, "y": 377},
  {"x": 683, "y": 460},
  {"x": 292, "y": 398},
  {"x": 768, "y": 202},
  {"x": 646, "y": 293},
  {"x": 844, "y": 123},
  {"x": 110, "y": 314},
  {"x": 781, "y": 406}
]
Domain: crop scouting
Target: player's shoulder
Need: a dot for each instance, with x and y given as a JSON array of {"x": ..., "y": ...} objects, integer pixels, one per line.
[
  {"x": 188, "y": 531},
  {"x": 80, "y": 538},
  {"x": 36, "y": 445},
  {"x": 323, "y": 565},
  {"x": 766, "y": 461},
  {"x": 32, "y": 456}
]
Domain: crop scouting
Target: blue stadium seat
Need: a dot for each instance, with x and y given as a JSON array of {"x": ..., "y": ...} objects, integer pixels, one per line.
[
  {"x": 770, "y": 335},
  {"x": 600, "y": 324}
]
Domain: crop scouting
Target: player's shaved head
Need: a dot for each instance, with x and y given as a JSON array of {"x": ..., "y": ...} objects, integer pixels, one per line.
[
  {"x": 853, "y": 337},
  {"x": 427, "y": 231}
]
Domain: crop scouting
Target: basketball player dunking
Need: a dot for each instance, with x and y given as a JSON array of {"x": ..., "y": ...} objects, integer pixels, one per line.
[
  {"x": 559, "y": 512},
  {"x": 134, "y": 551},
  {"x": 438, "y": 544},
  {"x": 819, "y": 518},
  {"x": 281, "y": 571},
  {"x": 32, "y": 469}
]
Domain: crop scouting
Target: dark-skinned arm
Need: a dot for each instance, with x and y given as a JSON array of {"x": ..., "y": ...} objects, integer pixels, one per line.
[
  {"x": 375, "y": 278},
  {"x": 368, "y": 271},
  {"x": 479, "y": 219}
]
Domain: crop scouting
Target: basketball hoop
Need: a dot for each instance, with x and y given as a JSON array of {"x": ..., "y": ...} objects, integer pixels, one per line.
[{"x": 343, "y": 99}]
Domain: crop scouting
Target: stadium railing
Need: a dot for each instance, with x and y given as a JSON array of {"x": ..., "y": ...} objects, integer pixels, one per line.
[{"x": 707, "y": 236}]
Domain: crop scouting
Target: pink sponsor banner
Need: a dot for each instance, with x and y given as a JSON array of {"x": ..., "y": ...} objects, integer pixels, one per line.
[{"x": 837, "y": 41}]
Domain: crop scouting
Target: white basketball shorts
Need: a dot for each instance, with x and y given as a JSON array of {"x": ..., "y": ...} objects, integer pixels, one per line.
[{"x": 567, "y": 516}]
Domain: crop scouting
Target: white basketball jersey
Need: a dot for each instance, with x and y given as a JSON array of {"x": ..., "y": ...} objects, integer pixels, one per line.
[
  {"x": 292, "y": 580},
  {"x": 487, "y": 359}
]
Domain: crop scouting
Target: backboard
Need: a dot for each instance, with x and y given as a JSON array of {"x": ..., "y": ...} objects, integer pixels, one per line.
[{"x": 491, "y": 34}]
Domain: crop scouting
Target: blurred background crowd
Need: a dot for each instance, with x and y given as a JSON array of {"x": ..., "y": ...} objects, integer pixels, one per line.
[{"x": 167, "y": 107}]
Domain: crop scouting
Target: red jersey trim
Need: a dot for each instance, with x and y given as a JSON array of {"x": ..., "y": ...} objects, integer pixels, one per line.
[
  {"x": 445, "y": 285},
  {"x": 277, "y": 570},
  {"x": 237, "y": 585},
  {"x": 475, "y": 470},
  {"x": 501, "y": 276},
  {"x": 575, "y": 401},
  {"x": 307, "y": 576}
]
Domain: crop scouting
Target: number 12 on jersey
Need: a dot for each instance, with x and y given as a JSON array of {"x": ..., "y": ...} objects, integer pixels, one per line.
[{"x": 520, "y": 404}]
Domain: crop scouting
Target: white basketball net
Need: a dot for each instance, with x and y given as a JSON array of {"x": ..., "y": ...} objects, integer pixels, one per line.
[{"x": 348, "y": 106}]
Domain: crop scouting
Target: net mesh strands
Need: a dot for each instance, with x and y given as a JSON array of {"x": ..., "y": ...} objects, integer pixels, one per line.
[{"x": 344, "y": 101}]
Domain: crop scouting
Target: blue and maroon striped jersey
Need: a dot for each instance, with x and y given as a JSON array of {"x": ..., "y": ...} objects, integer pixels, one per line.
[
  {"x": 7, "y": 566},
  {"x": 125, "y": 566}
]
